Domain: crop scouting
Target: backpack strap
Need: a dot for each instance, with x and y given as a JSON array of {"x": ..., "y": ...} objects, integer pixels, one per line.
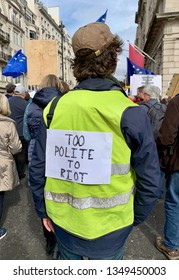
[
  {"x": 156, "y": 105},
  {"x": 149, "y": 105},
  {"x": 51, "y": 111}
]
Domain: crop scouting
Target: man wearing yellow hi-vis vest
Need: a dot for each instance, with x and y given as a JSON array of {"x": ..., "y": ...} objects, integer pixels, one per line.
[{"x": 94, "y": 172}]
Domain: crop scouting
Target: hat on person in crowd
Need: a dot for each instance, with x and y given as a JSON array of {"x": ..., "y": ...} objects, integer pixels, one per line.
[
  {"x": 10, "y": 88},
  {"x": 95, "y": 36},
  {"x": 19, "y": 89}
]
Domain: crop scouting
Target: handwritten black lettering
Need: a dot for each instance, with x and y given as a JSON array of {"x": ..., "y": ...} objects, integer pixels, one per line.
[
  {"x": 56, "y": 150},
  {"x": 68, "y": 175},
  {"x": 69, "y": 136},
  {"x": 62, "y": 173},
  {"x": 73, "y": 152},
  {"x": 72, "y": 176},
  {"x": 77, "y": 165},
  {"x": 82, "y": 174},
  {"x": 89, "y": 154},
  {"x": 59, "y": 150},
  {"x": 82, "y": 152},
  {"x": 78, "y": 140},
  {"x": 76, "y": 176},
  {"x": 70, "y": 163},
  {"x": 81, "y": 140},
  {"x": 66, "y": 152}
]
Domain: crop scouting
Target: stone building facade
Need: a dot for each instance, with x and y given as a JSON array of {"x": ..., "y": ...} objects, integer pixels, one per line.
[
  {"x": 22, "y": 20},
  {"x": 158, "y": 36}
]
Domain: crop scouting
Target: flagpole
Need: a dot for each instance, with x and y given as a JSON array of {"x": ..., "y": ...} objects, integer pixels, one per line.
[{"x": 143, "y": 52}]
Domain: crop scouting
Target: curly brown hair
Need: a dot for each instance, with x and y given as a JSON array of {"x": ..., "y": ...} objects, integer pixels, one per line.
[{"x": 85, "y": 64}]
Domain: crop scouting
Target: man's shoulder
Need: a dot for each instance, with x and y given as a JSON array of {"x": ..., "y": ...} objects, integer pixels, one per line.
[
  {"x": 134, "y": 114},
  {"x": 144, "y": 105}
]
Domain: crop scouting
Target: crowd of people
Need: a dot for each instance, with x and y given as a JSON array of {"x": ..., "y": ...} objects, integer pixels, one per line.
[{"x": 97, "y": 161}]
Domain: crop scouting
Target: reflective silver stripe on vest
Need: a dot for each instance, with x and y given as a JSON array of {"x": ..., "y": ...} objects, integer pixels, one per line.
[
  {"x": 89, "y": 202},
  {"x": 120, "y": 169}
]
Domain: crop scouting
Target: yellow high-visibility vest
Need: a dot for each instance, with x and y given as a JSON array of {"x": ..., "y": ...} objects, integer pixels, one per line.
[{"x": 91, "y": 211}]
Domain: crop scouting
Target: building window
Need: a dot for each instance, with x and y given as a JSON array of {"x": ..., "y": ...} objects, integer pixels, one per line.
[
  {"x": 15, "y": 18},
  {"x": 32, "y": 35},
  {"x": 27, "y": 18},
  {"x": 15, "y": 37},
  {"x": 17, "y": 80},
  {"x": 9, "y": 33},
  {"x": 27, "y": 32},
  {"x": 21, "y": 41}
]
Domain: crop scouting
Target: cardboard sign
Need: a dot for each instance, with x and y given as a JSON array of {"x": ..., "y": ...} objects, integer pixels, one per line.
[
  {"x": 42, "y": 58},
  {"x": 79, "y": 156}
]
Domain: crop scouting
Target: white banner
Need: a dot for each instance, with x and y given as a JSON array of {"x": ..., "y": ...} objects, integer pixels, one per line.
[
  {"x": 142, "y": 80},
  {"x": 79, "y": 156}
]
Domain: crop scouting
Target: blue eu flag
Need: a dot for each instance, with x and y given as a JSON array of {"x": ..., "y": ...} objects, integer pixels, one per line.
[
  {"x": 16, "y": 66},
  {"x": 102, "y": 18},
  {"x": 133, "y": 68}
]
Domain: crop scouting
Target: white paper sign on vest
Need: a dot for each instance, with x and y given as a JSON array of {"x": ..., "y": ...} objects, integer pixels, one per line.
[{"x": 79, "y": 156}]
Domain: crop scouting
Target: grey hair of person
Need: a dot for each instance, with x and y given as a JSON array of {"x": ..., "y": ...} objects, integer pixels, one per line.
[{"x": 152, "y": 91}]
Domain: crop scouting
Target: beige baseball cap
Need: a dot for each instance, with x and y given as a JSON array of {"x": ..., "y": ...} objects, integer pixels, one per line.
[{"x": 95, "y": 36}]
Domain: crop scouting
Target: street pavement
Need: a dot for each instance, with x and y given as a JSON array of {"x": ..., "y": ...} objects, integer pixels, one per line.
[{"x": 25, "y": 240}]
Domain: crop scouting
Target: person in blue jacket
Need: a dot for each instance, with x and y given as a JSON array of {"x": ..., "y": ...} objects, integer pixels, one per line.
[
  {"x": 49, "y": 87},
  {"x": 96, "y": 50}
]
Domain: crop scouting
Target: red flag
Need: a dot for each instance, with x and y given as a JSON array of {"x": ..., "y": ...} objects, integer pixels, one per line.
[{"x": 136, "y": 56}]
